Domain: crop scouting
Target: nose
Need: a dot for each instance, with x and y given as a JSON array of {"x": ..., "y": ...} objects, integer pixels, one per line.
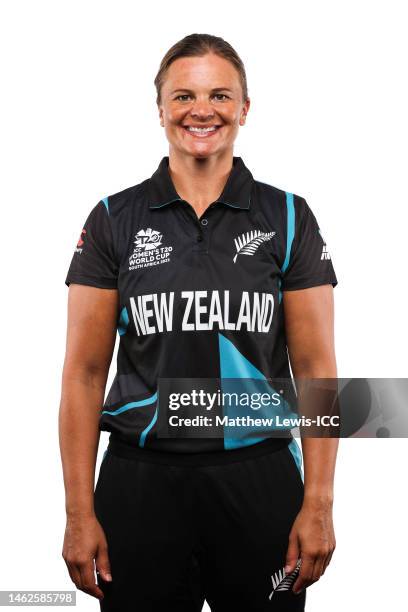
[{"x": 202, "y": 109}]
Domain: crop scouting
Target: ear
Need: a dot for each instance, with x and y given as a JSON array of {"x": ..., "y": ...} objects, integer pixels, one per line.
[
  {"x": 161, "y": 116},
  {"x": 244, "y": 111}
]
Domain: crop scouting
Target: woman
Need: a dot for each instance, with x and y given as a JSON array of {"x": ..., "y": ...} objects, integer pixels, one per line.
[{"x": 206, "y": 274}]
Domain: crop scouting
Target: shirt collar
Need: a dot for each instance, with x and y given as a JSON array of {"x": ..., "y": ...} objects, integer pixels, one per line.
[{"x": 236, "y": 193}]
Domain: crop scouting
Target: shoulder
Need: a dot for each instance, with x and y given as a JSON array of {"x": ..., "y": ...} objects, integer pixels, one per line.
[
  {"x": 124, "y": 201},
  {"x": 276, "y": 200}
]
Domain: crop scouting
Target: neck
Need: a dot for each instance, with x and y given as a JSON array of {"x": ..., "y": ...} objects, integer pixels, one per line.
[{"x": 199, "y": 181}]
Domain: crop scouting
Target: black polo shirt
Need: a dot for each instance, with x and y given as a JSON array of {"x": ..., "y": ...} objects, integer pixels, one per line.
[{"x": 199, "y": 297}]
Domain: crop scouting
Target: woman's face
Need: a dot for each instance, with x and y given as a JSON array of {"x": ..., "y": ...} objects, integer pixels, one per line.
[{"x": 201, "y": 105}]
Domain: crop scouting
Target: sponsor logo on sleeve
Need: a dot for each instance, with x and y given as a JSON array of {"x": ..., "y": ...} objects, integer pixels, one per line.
[
  {"x": 80, "y": 241},
  {"x": 325, "y": 251}
]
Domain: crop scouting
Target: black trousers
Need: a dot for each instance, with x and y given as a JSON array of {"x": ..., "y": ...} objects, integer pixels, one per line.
[{"x": 184, "y": 529}]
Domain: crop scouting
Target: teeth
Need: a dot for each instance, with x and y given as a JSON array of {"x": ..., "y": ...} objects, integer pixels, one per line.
[{"x": 197, "y": 129}]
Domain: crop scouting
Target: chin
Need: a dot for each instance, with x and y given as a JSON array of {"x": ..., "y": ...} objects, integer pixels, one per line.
[{"x": 203, "y": 152}]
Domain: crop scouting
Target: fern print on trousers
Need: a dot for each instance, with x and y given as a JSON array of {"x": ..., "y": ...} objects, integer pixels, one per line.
[
  {"x": 247, "y": 243},
  {"x": 283, "y": 582}
]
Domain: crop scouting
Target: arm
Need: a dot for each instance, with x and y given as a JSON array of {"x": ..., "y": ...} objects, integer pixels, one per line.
[
  {"x": 309, "y": 323},
  {"x": 91, "y": 331}
]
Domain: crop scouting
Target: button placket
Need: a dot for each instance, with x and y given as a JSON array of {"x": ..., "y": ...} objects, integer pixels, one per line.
[{"x": 201, "y": 237}]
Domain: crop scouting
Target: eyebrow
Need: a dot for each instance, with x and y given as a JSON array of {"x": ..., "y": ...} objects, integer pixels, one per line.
[{"x": 216, "y": 89}]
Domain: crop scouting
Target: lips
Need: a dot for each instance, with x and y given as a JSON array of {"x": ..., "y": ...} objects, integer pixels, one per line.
[{"x": 201, "y": 131}]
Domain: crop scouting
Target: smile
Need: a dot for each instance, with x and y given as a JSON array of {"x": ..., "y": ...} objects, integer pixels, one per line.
[{"x": 201, "y": 131}]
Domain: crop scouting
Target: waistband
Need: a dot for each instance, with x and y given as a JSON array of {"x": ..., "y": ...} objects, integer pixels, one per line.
[{"x": 123, "y": 449}]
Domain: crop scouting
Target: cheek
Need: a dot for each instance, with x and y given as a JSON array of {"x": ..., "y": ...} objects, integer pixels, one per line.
[
  {"x": 231, "y": 115},
  {"x": 173, "y": 116},
  {"x": 233, "y": 123}
]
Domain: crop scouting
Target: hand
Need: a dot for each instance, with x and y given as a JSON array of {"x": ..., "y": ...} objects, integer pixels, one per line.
[
  {"x": 312, "y": 540},
  {"x": 85, "y": 541}
]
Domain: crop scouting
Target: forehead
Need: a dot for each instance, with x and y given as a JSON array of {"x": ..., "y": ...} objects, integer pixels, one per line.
[{"x": 210, "y": 71}]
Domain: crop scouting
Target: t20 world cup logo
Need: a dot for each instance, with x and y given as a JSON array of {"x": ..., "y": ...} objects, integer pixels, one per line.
[
  {"x": 146, "y": 240},
  {"x": 148, "y": 250}
]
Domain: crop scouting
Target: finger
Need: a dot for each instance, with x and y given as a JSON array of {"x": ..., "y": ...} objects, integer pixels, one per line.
[
  {"x": 88, "y": 580},
  {"x": 324, "y": 564},
  {"x": 292, "y": 555},
  {"x": 102, "y": 563},
  {"x": 328, "y": 559},
  {"x": 74, "y": 574},
  {"x": 305, "y": 574},
  {"x": 318, "y": 567},
  {"x": 69, "y": 570}
]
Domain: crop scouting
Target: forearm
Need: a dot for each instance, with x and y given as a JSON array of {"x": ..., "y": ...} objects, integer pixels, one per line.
[
  {"x": 319, "y": 453},
  {"x": 81, "y": 400},
  {"x": 319, "y": 457}
]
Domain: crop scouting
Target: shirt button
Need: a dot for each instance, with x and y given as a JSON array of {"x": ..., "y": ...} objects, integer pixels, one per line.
[
  {"x": 199, "y": 238},
  {"x": 204, "y": 221}
]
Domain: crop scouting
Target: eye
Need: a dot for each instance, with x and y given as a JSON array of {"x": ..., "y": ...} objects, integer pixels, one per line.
[
  {"x": 220, "y": 97},
  {"x": 183, "y": 97}
]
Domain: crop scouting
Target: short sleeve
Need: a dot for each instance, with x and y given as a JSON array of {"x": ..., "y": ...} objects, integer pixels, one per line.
[
  {"x": 93, "y": 262},
  {"x": 309, "y": 261}
]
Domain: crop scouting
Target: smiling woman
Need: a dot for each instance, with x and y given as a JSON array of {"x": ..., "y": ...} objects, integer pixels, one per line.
[
  {"x": 205, "y": 273},
  {"x": 200, "y": 110},
  {"x": 202, "y": 97}
]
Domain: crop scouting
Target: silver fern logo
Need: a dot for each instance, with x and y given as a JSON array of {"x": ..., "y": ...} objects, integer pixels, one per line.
[
  {"x": 283, "y": 582},
  {"x": 248, "y": 242}
]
